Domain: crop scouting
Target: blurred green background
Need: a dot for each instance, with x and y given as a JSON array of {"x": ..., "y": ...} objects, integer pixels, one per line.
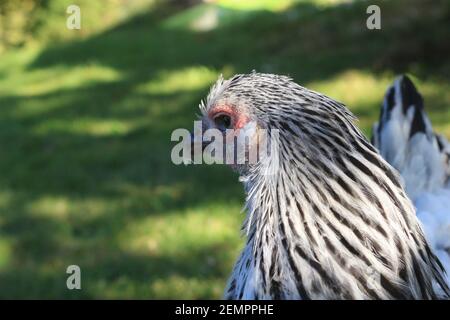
[{"x": 86, "y": 117}]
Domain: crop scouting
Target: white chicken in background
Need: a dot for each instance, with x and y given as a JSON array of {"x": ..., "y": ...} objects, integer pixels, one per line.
[{"x": 406, "y": 140}]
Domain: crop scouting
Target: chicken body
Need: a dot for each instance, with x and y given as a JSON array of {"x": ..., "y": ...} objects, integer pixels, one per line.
[{"x": 405, "y": 139}]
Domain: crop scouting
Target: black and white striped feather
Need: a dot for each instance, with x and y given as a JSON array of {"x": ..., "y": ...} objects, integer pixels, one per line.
[{"x": 333, "y": 220}]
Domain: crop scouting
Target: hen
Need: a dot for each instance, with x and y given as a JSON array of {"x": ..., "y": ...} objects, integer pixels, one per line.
[{"x": 327, "y": 217}]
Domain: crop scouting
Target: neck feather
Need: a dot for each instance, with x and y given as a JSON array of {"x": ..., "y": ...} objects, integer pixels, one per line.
[{"x": 333, "y": 221}]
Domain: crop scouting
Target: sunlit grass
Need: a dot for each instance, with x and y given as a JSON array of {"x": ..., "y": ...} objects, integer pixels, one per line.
[
  {"x": 256, "y": 4},
  {"x": 188, "y": 79},
  {"x": 5, "y": 252},
  {"x": 199, "y": 227},
  {"x": 272, "y": 5},
  {"x": 93, "y": 127},
  {"x": 363, "y": 92},
  {"x": 29, "y": 83}
]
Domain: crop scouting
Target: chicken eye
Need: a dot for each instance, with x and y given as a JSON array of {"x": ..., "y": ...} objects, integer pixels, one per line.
[{"x": 223, "y": 121}]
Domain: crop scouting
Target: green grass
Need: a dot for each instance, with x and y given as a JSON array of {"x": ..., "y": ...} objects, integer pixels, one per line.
[{"x": 85, "y": 125}]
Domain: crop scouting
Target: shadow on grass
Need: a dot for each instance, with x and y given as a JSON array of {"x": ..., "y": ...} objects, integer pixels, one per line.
[
  {"x": 130, "y": 173},
  {"x": 305, "y": 41}
]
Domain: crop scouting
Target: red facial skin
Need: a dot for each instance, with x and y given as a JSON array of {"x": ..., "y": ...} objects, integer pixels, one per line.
[{"x": 239, "y": 119}]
